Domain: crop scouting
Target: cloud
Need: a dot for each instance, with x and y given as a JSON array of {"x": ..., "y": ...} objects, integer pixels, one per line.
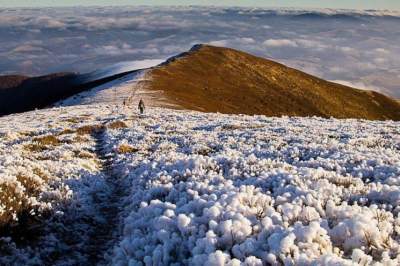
[
  {"x": 379, "y": 60},
  {"x": 320, "y": 42},
  {"x": 337, "y": 70},
  {"x": 99, "y": 23},
  {"x": 313, "y": 44},
  {"x": 221, "y": 43},
  {"x": 382, "y": 51},
  {"x": 49, "y": 22},
  {"x": 246, "y": 40},
  {"x": 34, "y": 23},
  {"x": 172, "y": 49},
  {"x": 27, "y": 63},
  {"x": 27, "y": 48},
  {"x": 140, "y": 64},
  {"x": 125, "y": 49},
  {"x": 346, "y": 50},
  {"x": 235, "y": 42},
  {"x": 110, "y": 50},
  {"x": 280, "y": 43}
]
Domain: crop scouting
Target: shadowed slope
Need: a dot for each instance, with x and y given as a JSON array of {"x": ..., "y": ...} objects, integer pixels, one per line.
[
  {"x": 22, "y": 93},
  {"x": 215, "y": 79}
]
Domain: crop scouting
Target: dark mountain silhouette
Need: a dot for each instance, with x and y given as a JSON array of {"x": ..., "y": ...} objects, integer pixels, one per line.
[
  {"x": 21, "y": 93},
  {"x": 11, "y": 81},
  {"x": 321, "y": 16}
]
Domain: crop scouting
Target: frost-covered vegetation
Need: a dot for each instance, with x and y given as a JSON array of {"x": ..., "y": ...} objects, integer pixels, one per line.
[
  {"x": 48, "y": 170},
  {"x": 212, "y": 189},
  {"x": 34, "y": 164},
  {"x": 224, "y": 190}
]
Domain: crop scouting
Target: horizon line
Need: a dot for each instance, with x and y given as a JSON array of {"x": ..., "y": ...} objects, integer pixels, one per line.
[{"x": 294, "y": 8}]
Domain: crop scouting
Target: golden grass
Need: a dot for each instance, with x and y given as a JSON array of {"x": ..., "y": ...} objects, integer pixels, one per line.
[
  {"x": 47, "y": 140},
  {"x": 17, "y": 218},
  {"x": 345, "y": 182},
  {"x": 32, "y": 186},
  {"x": 116, "y": 125},
  {"x": 80, "y": 139},
  {"x": 214, "y": 79},
  {"x": 84, "y": 154},
  {"x": 204, "y": 151},
  {"x": 89, "y": 129},
  {"x": 35, "y": 147},
  {"x": 73, "y": 120},
  {"x": 11, "y": 201},
  {"x": 40, "y": 144},
  {"x": 66, "y": 131},
  {"x": 15, "y": 201},
  {"x": 28, "y": 133},
  {"x": 231, "y": 127},
  {"x": 41, "y": 174},
  {"x": 44, "y": 158},
  {"x": 125, "y": 148}
]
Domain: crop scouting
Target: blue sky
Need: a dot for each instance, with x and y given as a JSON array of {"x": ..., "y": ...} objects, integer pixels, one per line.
[{"x": 354, "y": 4}]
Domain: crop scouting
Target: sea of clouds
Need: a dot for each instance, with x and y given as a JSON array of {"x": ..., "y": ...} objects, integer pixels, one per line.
[{"x": 358, "y": 48}]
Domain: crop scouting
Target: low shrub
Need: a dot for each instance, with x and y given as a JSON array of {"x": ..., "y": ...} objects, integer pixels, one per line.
[{"x": 12, "y": 202}]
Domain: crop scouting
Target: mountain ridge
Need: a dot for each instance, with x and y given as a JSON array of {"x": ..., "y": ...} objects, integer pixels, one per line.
[{"x": 217, "y": 79}]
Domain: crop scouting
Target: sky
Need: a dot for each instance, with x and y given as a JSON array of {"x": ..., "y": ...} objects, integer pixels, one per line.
[{"x": 353, "y": 4}]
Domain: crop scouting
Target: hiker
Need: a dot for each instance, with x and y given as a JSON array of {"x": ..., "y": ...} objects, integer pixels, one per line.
[{"x": 141, "y": 106}]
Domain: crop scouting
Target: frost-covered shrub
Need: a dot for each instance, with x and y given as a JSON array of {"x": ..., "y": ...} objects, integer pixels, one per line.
[
  {"x": 218, "y": 190},
  {"x": 12, "y": 200}
]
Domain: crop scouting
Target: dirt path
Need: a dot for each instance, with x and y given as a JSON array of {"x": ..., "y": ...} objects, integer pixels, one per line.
[{"x": 108, "y": 205}]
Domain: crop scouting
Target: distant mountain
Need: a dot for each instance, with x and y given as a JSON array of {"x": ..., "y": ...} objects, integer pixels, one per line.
[
  {"x": 216, "y": 79},
  {"x": 22, "y": 93},
  {"x": 311, "y": 16},
  {"x": 11, "y": 81}
]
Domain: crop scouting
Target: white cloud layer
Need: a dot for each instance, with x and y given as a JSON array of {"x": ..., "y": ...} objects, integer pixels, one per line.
[
  {"x": 345, "y": 45},
  {"x": 280, "y": 43}
]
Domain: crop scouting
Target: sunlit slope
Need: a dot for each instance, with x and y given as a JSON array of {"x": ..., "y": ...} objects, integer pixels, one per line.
[{"x": 219, "y": 79}]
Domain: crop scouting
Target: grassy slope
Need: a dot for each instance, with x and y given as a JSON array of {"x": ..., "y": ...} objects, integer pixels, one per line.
[{"x": 225, "y": 80}]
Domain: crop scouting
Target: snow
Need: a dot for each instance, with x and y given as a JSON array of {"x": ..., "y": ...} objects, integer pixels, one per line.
[
  {"x": 122, "y": 67},
  {"x": 213, "y": 189},
  {"x": 129, "y": 89}
]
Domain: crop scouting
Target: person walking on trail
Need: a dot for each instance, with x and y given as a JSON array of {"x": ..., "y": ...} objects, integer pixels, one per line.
[{"x": 141, "y": 106}]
